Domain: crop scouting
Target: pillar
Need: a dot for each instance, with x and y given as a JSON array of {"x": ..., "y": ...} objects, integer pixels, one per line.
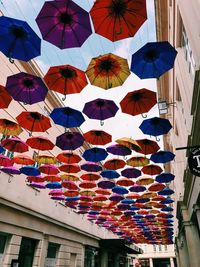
[
  {"x": 196, "y": 209},
  {"x": 104, "y": 258},
  {"x": 12, "y": 251},
  {"x": 150, "y": 262},
  {"x": 42, "y": 250},
  {"x": 183, "y": 252},
  {"x": 172, "y": 262}
]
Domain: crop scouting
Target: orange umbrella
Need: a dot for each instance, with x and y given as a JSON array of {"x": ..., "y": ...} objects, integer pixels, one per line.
[
  {"x": 90, "y": 176},
  {"x": 23, "y": 160},
  {"x": 133, "y": 195},
  {"x": 40, "y": 143},
  {"x": 87, "y": 184},
  {"x": 100, "y": 198},
  {"x": 148, "y": 195},
  {"x": 130, "y": 143},
  {"x": 5, "y": 97},
  {"x": 71, "y": 193},
  {"x": 148, "y": 146},
  {"x": 102, "y": 191},
  {"x": 152, "y": 169},
  {"x": 156, "y": 187},
  {"x": 8, "y": 127},
  {"x": 145, "y": 181},
  {"x": 69, "y": 168},
  {"x": 114, "y": 164},
  {"x": 68, "y": 157},
  {"x": 52, "y": 178},
  {"x": 137, "y": 161},
  {"x": 124, "y": 182},
  {"x": 87, "y": 193},
  {"x": 97, "y": 137}
]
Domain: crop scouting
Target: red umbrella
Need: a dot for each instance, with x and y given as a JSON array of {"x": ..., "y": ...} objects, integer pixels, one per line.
[
  {"x": 114, "y": 164},
  {"x": 151, "y": 169},
  {"x": 124, "y": 182},
  {"x": 97, "y": 137},
  {"x": 69, "y": 168},
  {"x": 15, "y": 145},
  {"x": 100, "y": 198},
  {"x": 52, "y": 178},
  {"x": 5, "y": 161},
  {"x": 69, "y": 185},
  {"x": 103, "y": 191},
  {"x": 71, "y": 193},
  {"x": 23, "y": 160},
  {"x": 87, "y": 184},
  {"x": 138, "y": 102},
  {"x": 68, "y": 157},
  {"x": 33, "y": 121},
  {"x": 156, "y": 187},
  {"x": 148, "y": 146},
  {"x": 36, "y": 179},
  {"x": 5, "y": 98},
  {"x": 116, "y": 19},
  {"x": 49, "y": 169},
  {"x": 90, "y": 177},
  {"x": 65, "y": 79},
  {"x": 40, "y": 143}
]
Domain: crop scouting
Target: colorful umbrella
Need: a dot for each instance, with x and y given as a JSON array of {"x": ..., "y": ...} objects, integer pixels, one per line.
[
  {"x": 45, "y": 159},
  {"x": 35, "y": 179},
  {"x": 53, "y": 185},
  {"x": 108, "y": 71},
  {"x": 95, "y": 154},
  {"x": 103, "y": 191},
  {"x": 26, "y": 88},
  {"x": 15, "y": 34},
  {"x": 97, "y": 137},
  {"x": 5, "y": 98},
  {"x": 2, "y": 150},
  {"x": 87, "y": 184},
  {"x": 118, "y": 19},
  {"x": 64, "y": 24},
  {"x": 30, "y": 170},
  {"x": 137, "y": 161},
  {"x": 148, "y": 146},
  {"x": 87, "y": 193},
  {"x": 71, "y": 185},
  {"x": 68, "y": 157},
  {"x": 49, "y": 169},
  {"x": 67, "y": 117},
  {"x": 5, "y": 161},
  {"x": 131, "y": 173},
  {"x": 52, "y": 178},
  {"x": 10, "y": 170},
  {"x": 138, "y": 102},
  {"x": 165, "y": 177},
  {"x": 110, "y": 174},
  {"x": 100, "y": 109},
  {"x": 153, "y": 60},
  {"x": 90, "y": 176},
  {"x": 145, "y": 181},
  {"x": 155, "y": 126},
  {"x": 119, "y": 150},
  {"x": 23, "y": 160},
  {"x": 156, "y": 187},
  {"x": 124, "y": 182},
  {"x": 69, "y": 168},
  {"x": 91, "y": 167},
  {"x": 15, "y": 145},
  {"x": 162, "y": 156},
  {"x": 114, "y": 164},
  {"x": 137, "y": 188},
  {"x": 69, "y": 140},
  {"x": 65, "y": 79},
  {"x": 40, "y": 143},
  {"x": 129, "y": 142},
  {"x": 120, "y": 190},
  {"x": 69, "y": 177},
  {"x": 152, "y": 169},
  {"x": 38, "y": 185},
  {"x": 106, "y": 184},
  {"x": 33, "y": 121},
  {"x": 8, "y": 127},
  {"x": 166, "y": 192}
]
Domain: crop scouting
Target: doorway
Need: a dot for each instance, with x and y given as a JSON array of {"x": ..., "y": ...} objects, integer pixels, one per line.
[{"x": 26, "y": 253}]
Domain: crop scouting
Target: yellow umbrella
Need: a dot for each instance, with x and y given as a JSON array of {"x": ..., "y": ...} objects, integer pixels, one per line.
[
  {"x": 137, "y": 161},
  {"x": 129, "y": 142},
  {"x": 145, "y": 180},
  {"x": 8, "y": 127},
  {"x": 69, "y": 177},
  {"x": 45, "y": 159},
  {"x": 149, "y": 195},
  {"x": 87, "y": 193}
]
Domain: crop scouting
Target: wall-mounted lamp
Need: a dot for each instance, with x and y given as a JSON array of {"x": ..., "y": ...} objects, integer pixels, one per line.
[{"x": 163, "y": 106}]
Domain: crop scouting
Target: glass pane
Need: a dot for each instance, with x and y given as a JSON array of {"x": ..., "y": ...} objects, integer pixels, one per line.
[
  {"x": 52, "y": 250},
  {"x": 2, "y": 243},
  {"x": 26, "y": 252}
]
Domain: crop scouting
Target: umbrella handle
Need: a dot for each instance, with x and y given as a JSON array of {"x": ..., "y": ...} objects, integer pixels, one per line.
[
  {"x": 64, "y": 98},
  {"x": 11, "y": 60},
  {"x": 101, "y": 123},
  {"x": 10, "y": 179},
  {"x": 157, "y": 139},
  {"x": 144, "y": 115}
]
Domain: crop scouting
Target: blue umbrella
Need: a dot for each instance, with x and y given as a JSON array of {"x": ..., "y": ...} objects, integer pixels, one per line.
[
  {"x": 167, "y": 200},
  {"x": 30, "y": 170},
  {"x": 95, "y": 154},
  {"x": 165, "y": 177},
  {"x": 167, "y": 209},
  {"x": 67, "y": 117},
  {"x": 162, "y": 156},
  {"x": 2, "y": 149},
  {"x": 18, "y": 40},
  {"x": 110, "y": 174},
  {"x": 153, "y": 60},
  {"x": 166, "y": 192},
  {"x": 119, "y": 190},
  {"x": 54, "y": 185},
  {"x": 155, "y": 126}
]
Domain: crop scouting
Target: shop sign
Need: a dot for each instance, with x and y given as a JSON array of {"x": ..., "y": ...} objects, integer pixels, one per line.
[{"x": 194, "y": 161}]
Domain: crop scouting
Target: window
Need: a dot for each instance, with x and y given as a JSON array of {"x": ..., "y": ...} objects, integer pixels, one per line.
[
  {"x": 3, "y": 239},
  {"x": 51, "y": 255},
  {"x": 26, "y": 253}
]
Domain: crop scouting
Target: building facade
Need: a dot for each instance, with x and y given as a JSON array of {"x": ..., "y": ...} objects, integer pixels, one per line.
[{"x": 177, "y": 21}]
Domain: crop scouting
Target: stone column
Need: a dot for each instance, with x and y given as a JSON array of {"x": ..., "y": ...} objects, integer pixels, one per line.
[
  {"x": 171, "y": 262},
  {"x": 104, "y": 259},
  {"x": 150, "y": 262},
  {"x": 196, "y": 209},
  {"x": 42, "y": 250},
  {"x": 183, "y": 252}
]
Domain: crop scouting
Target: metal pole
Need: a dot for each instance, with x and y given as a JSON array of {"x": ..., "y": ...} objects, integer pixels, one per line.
[{"x": 187, "y": 147}]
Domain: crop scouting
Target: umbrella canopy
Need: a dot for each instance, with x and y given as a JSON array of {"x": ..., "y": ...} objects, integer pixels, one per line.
[
  {"x": 129, "y": 142},
  {"x": 71, "y": 185},
  {"x": 91, "y": 167},
  {"x": 138, "y": 102},
  {"x": 166, "y": 192},
  {"x": 30, "y": 170},
  {"x": 53, "y": 185},
  {"x": 45, "y": 159},
  {"x": 15, "y": 145},
  {"x": 124, "y": 182},
  {"x": 5, "y": 98},
  {"x": 153, "y": 60},
  {"x": 38, "y": 185},
  {"x": 16, "y": 34},
  {"x": 155, "y": 126},
  {"x": 119, "y": 150},
  {"x": 87, "y": 184},
  {"x": 165, "y": 177},
  {"x": 33, "y": 121},
  {"x": 152, "y": 169},
  {"x": 8, "y": 127},
  {"x": 116, "y": 20},
  {"x": 114, "y": 164},
  {"x": 95, "y": 154},
  {"x": 156, "y": 187},
  {"x": 148, "y": 146},
  {"x": 5, "y": 161},
  {"x": 137, "y": 188},
  {"x": 23, "y": 160},
  {"x": 49, "y": 169},
  {"x": 40, "y": 143},
  {"x": 36, "y": 179},
  {"x": 69, "y": 177},
  {"x": 90, "y": 176},
  {"x": 69, "y": 140},
  {"x": 137, "y": 161},
  {"x": 145, "y": 181},
  {"x": 67, "y": 117},
  {"x": 97, "y": 137},
  {"x": 162, "y": 156},
  {"x": 64, "y": 24},
  {"x": 69, "y": 168},
  {"x": 119, "y": 190},
  {"x": 110, "y": 174},
  {"x": 52, "y": 178},
  {"x": 100, "y": 109},
  {"x": 10, "y": 170},
  {"x": 27, "y": 88},
  {"x": 68, "y": 157},
  {"x": 108, "y": 71},
  {"x": 65, "y": 79},
  {"x": 131, "y": 173},
  {"x": 106, "y": 184}
]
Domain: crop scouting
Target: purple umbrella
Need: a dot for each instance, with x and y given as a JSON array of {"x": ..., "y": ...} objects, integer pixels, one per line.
[
  {"x": 119, "y": 150},
  {"x": 106, "y": 184},
  {"x": 10, "y": 170},
  {"x": 131, "y": 173},
  {"x": 91, "y": 167},
  {"x": 38, "y": 185},
  {"x": 116, "y": 197},
  {"x": 137, "y": 188},
  {"x": 100, "y": 109},
  {"x": 64, "y": 23},
  {"x": 69, "y": 140},
  {"x": 26, "y": 88}
]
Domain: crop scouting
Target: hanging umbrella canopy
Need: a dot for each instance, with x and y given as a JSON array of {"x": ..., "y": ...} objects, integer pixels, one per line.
[
  {"x": 35, "y": 179},
  {"x": 91, "y": 167},
  {"x": 137, "y": 161},
  {"x": 69, "y": 140},
  {"x": 95, "y": 154},
  {"x": 147, "y": 146},
  {"x": 100, "y": 109},
  {"x": 119, "y": 150},
  {"x": 52, "y": 178},
  {"x": 130, "y": 143},
  {"x": 138, "y": 102},
  {"x": 5, "y": 161},
  {"x": 45, "y": 159},
  {"x": 11, "y": 170},
  {"x": 38, "y": 185},
  {"x": 106, "y": 184},
  {"x": 87, "y": 193},
  {"x": 162, "y": 156},
  {"x": 152, "y": 169},
  {"x": 64, "y": 24},
  {"x": 30, "y": 170},
  {"x": 97, "y": 137},
  {"x": 33, "y": 121},
  {"x": 137, "y": 188},
  {"x": 110, "y": 174},
  {"x": 69, "y": 177},
  {"x": 153, "y": 60},
  {"x": 23, "y": 160},
  {"x": 90, "y": 176},
  {"x": 71, "y": 185},
  {"x": 15, "y": 145},
  {"x": 40, "y": 143},
  {"x": 145, "y": 181},
  {"x": 53, "y": 185},
  {"x": 69, "y": 168},
  {"x": 8, "y": 127},
  {"x": 5, "y": 98},
  {"x": 49, "y": 169},
  {"x": 116, "y": 20},
  {"x": 15, "y": 34},
  {"x": 108, "y": 71},
  {"x": 166, "y": 192},
  {"x": 156, "y": 187},
  {"x": 165, "y": 177},
  {"x": 119, "y": 190},
  {"x": 87, "y": 184},
  {"x": 68, "y": 157},
  {"x": 103, "y": 191},
  {"x": 155, "y": 126},
  {"x": 114, "y": 164},
  {"x": 67, "y": 117},
  {"x": 26, "y": 88},
  {"x": 124, "y": 182},
  {"x": 131, "y": 173}
]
